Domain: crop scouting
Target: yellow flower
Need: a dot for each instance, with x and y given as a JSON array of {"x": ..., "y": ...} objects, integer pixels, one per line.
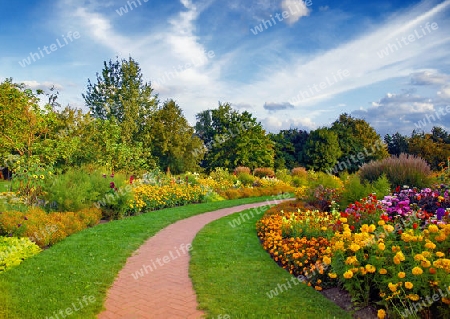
[
  {"x": 396, "y": 260},
  {"x": 327, "y": 260},
  {"x": 35, "y": 176},
  {"x": 372, "y": 228},
  {"x": 348, "y": 274},
  {"x": 381, "y": 314},
  {"x": 417, "y": 271},
  {"x": 409, "y": 285},
  {"x": 389, "y": 228},
  {"x": 355, "y": 247},
  {"x": 332, "y": 275},
  {"x": 381, "y": 246},
  {"x": 419, "y": 257},
  {"x": 339, "y": 245},
  {"x": 430, "y": 245},
  {"x": 392, "y": 287},
  {"x": 400, "y": 256},
  {"x": 432, "y": 228},
  {"x": 370, "y": 268},
  {"x": 401, "y": 274},
  {"x": 382, "y": 271},
  {"x": 440, "y": 254},
  {"x": 381, "y": 222},
  {"x": 413, "y": 297},
  {"x": 425, "y": 263},
  {"x": 343, "y": 220}
]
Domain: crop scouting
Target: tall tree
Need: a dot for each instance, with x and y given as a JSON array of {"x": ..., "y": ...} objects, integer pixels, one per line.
[
  {"x": 120, "y": 93},
  {"x": 173, "y": 141},
  {"x": 396, "y": 143},
  {"x": 322, "y": 149},
  {"x": 233, "y": 139},
  {"x": 358, "y": 141},
  {"x": 290, "y": 148}
]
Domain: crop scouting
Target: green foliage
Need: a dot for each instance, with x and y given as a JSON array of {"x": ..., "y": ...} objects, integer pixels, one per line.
[
  {"x": 354, "y": 190},
  {"x": 322, "y": 149},
  {"x": 246, "y": 179},
  {"x": 289, "y": 148},
  {"x": 284, "y": 175},
  {"x": 78, "y": 188},
  {"x": 173, "y": 141},
  {"x": 358, "y": 141},
  {"x": 402, "y": 170},
  {"x": 233, "y": 139},
  {"x": 14, "y": 250},
  {"x": 221, "y": 175},
  {"x": 433, "y": 148}
]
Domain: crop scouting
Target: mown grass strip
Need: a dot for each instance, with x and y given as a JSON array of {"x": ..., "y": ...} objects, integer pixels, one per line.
[
  {"x": 233, "y": 277},
  {"x": 85, "y": 264}
]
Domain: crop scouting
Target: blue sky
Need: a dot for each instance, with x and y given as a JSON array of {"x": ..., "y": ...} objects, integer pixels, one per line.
[{"x": 290, "y": 63}]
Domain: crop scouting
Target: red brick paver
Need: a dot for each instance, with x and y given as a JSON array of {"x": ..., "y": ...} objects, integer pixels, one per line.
[{"x": 154, "y": 282}]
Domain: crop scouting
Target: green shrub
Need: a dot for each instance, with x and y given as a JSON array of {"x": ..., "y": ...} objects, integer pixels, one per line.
[
  {"x": 246, "y": 179},
  {"x": 79, "y": 189},
  {"x": 14, "y": 250},
  {"x": 242, "y": 169},
  {"x": 316, "y": 179},
  {"x": 284, "y": 175},
  {"x": 402, "y": 170},
  {"x": 354, "y": 190},
  {"x": 263, "y": 172},
  {"x": 221, "y": 174}
]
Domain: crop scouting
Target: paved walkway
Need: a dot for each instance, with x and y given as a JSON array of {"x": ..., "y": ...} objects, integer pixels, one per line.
[{"x": 154, "y": 282}]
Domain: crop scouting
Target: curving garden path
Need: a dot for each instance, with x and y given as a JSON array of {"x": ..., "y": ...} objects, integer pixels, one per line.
[{"x": 154, "y": 282}]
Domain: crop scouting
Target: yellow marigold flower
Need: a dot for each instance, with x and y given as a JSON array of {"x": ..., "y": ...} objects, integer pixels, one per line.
[
  {"x": 382, "y": 294},
  {"x": 332, "y": 275},
  {"x": 417, "y": 271},
  {"x": 355, "y": 247},
  {"x": 440, "y": 254},
  {"x": 348, "y": 274},
  {"x": 381, "y": 222},
  {"x": 326, "y": 260},
  {"x": 382, "y": 271},
  {"x": 400, "y": 256},
  {"x": 362, "y": 270},
  {"x": 432, "y": 228},
  {"x": 372, "y": 228},
  {"x": 430, "y": 245},
  {"x": 392, "y": 287},
  {"x": 389, "y": 228},
  {"x": 426, "y": 254},
  {"x": 339, "y": 245},
  {"x": 371, "y": 268},
  {"x": 41, "y": 176},
  {"x": 409, "y": 285},
  {"x": 381, "y": 246},
  {"x": 343, "y": 219},
  {"x": 401, "y": 274},
  {"x": 318, "y": 288},
  {"x": 381, "y": 314},
  {"x": 413, "y": 297},
  {"x": 425, "y": 263},
  {"x": 419, "y": 257},
  {"x": 396, "y": 260}
]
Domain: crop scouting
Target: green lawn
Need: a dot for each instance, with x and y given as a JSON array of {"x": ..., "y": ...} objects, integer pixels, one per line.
[
  {"x": 233, "y": 276},
  {"x": 85, "y": 265}
]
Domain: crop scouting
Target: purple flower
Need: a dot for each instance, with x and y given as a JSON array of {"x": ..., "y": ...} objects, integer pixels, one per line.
[
  {"x": 440, "y": 213},
  {"x": 112, "y": 185}
]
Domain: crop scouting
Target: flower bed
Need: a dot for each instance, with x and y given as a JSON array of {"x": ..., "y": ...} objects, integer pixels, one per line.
[{"x": 393, "y": 252}]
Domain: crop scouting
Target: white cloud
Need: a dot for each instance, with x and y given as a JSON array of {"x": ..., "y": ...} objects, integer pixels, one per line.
[
  {"x": 275, "y": 124},
  {"x": 296, "y": 9},
  {"x": 35, "y": 85},
  {"x": 429, "y": 77}
]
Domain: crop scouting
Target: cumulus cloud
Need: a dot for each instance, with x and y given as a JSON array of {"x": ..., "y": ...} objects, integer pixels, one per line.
[
  {"x": 296, "y": 9},
  {"x": 403, "y": 113},
  {"x": 275, "y": 124},
  {"x": 273, "y": 106},
  {"x": 429, "y": 78}
]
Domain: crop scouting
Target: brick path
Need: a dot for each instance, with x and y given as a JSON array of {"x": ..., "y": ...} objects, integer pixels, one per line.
[{"x": 154, "y": 282}]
